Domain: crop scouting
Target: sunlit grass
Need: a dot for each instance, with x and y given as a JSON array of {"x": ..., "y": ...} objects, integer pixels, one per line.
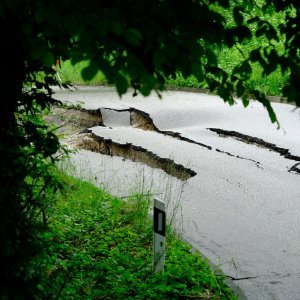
[{"x": 70, "y": 73}]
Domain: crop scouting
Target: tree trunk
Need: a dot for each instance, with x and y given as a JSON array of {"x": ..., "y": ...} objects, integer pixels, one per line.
[{"x": 14, "y": 230}]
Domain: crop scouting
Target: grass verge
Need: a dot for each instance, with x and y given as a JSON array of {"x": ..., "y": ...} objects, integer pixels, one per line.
[
  {"x": 100, "y": 247},
  {"x": 70, "y": 73},
  {"x": 228, "y": 59}
]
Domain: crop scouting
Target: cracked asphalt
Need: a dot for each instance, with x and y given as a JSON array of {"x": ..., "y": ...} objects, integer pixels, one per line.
[{"x": 241, "y": 209}]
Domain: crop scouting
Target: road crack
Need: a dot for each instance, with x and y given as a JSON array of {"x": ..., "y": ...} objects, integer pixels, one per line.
[
  {"x": 255, "y": 141},
  {"x": 295, "y": 168},
  {"x": 92, "y": 142},
  {"x": 257, "y": 163},
  {"x": 261, "y": 143},
  {"x": 241, "y": 278},
  {"x": 73, "y": 120},
  {"x": 142, "y": 120}
]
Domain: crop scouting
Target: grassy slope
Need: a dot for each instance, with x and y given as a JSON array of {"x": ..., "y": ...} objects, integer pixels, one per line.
[
  {"x": 228, "y": 59},
  {"x": 70, "y": 73},
  {"x": 270, "y": 84},
  {"x": 100, "y": 247}
]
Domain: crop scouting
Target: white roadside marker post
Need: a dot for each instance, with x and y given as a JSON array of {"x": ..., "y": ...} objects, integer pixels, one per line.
[{"x": 159, "y": 235}]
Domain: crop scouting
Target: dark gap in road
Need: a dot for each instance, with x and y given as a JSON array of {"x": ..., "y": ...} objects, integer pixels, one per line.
[
  {"x": 241, "y": 278},
  {"x": 74, "y": 120},
  {"x": 257, "y": 163},
  {"x": 295, "y": 168},
  {"x": 101, "y": 145},
  {"x": 142, "y": 120},
  {"x": 259, "y": 142}
]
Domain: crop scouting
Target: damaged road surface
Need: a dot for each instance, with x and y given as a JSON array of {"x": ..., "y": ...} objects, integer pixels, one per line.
[{"x": 237, "y": 176}]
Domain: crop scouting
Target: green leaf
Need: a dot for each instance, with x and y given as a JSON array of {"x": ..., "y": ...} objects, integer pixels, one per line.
[
  {"x": 224, "y": 93},
  {"x": 259, "y": 96},
  {"x": 116, "y": 202},
  {"x": 248, "y": 4},
  {"x": 290, "y": 92},
  {"x": 43, "y": 55},
  {"x": 158, "y": 59},
  {"x": 240, "y": 89},
  {"x": 212, "y": 84},
  {"x": 197, "y": 72},
  {"x": 244, "y": 70},
  {"x": 48, "y": 58},
  {"x": 121, "y": 84},
  {"x": 89, "y": 72},
  {"x": 271, "y": 112},
  {"x": 238, "y": 17},
  {"x": 224, "y": 3},
  {"x": 133, "y": 36},
  {"x": 76, "y": 58},
  {"x": 255, "y": 55},
  {"x": 211, "y": 58},
  {"x": 116, "y": 28},
  {"x": 160, "y": 78},
  {"x": 148, "y": 83},
  {"x": 245, "y": 100},
  {"x": 262, "y": 30}
]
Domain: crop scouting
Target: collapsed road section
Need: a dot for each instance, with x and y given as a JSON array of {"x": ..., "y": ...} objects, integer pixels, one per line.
[
  {"x": 79, "y": 120},
  {"x": 75, "y": 123},
  {"x": 95, "y": 143},
  {"x": 142, "y": 120},
  {"x": 68, "y": 121}
]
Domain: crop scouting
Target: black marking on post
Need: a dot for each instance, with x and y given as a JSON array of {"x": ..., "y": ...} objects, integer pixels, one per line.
[{"x": 159, "y": 221}]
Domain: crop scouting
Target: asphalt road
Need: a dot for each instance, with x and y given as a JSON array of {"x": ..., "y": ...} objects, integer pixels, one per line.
[{"x": 241, "y": 209}]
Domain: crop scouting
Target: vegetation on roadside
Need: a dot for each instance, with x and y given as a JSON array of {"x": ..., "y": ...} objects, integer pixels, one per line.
[
  {"x": 228, "y": 59},
  {"x": 35, "y": 34},
  {"x": 72, "y": 73},
  {"x": 100, "y": 247},
  {"x": 271, "y": 84}
]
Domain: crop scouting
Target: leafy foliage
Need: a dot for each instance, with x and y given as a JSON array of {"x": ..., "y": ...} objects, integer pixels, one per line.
[
  {"x": 29, "y": 182},
  {"x": 137, "y": 43},
  {"x": 28, "y": 152}
]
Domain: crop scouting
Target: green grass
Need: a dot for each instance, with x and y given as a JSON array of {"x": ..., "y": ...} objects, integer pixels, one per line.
[
  {"x": 70, "y": 73},
  {"x": 180, "y": 81},
  {"x": 100, "y": 247},
  {"x": 228, "y": 59},
  {"x": 271, "y": 84}
]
